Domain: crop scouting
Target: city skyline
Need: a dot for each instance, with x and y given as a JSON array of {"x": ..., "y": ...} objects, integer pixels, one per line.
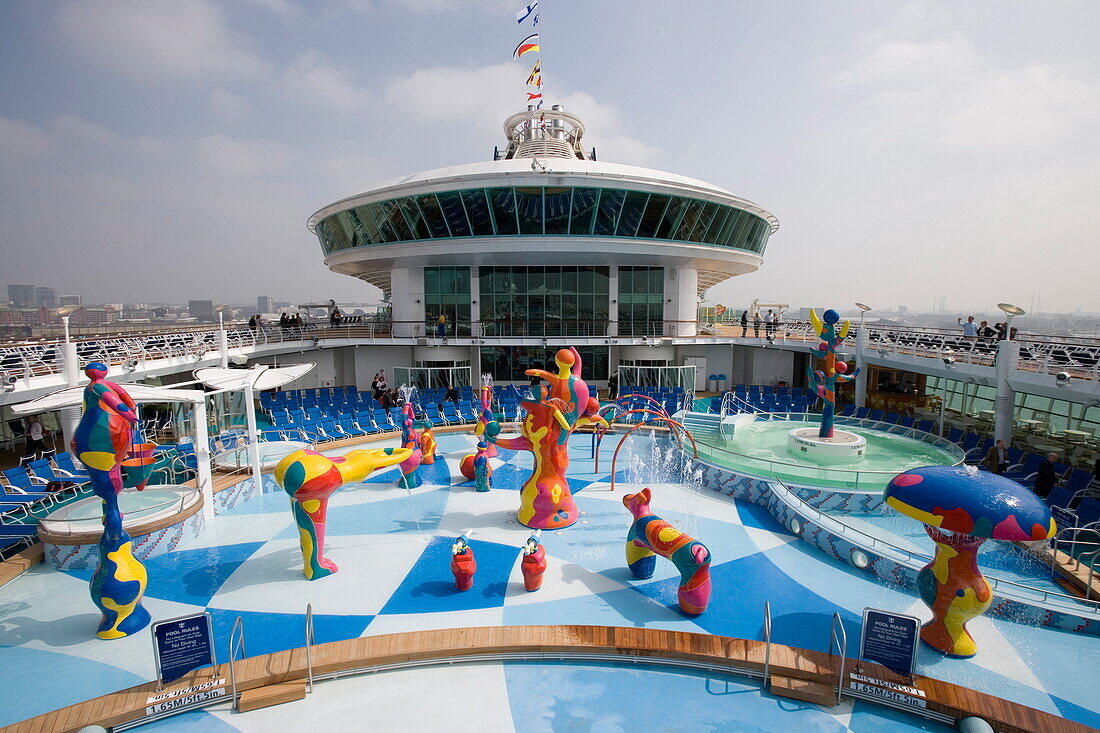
[{"x": 922, "y": 146}]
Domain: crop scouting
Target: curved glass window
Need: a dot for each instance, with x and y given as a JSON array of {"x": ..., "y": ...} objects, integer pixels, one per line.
[{"x": 544, "y": 210}]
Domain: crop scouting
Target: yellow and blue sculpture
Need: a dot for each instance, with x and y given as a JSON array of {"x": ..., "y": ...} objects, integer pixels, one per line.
[
  {"x": 823, "y": 382},
  {"x": 310, "y": 478},
  {"x": 961, "y": 508},
  {"x": 101, "y": 441},
  {"x": 650, "y": 535},
  {"x": 552, "y": 416}
]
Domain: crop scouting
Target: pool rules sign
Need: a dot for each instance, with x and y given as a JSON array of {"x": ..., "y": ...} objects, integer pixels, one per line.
[
  {"x": 890, "y": 639},
  {"x": 182, "y": 645}
]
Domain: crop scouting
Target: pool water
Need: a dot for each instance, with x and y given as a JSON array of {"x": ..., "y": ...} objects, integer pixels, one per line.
[
  {"x": 392, "y": 549},
  {"x": 999, "y": 559},
  {"x": 270, "y": 454},
  {"x": 761, "y": 448}
]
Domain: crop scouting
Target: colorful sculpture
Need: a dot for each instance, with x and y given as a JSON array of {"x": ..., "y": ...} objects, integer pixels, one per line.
[
  {"x": 823, "y": 382},
  {"x": 485, "y": 415},
  {"x": 552, "y": 416},
  {"x": 961, "y": 507},
  {"x": 482, "y": 470},
  {"x": 463, "y": 565},
  {"x": 533, "y": 565},
  {"x": 650, "y": 535},
  {"x": 427, "y": 442},
  {"x": 101, "y": 441},
  {"x": 410, "y": 440},
  {"x": 310, "y": 478}
]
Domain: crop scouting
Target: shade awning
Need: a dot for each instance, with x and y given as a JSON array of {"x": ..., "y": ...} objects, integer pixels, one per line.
[
  {"x": 260, "y": 377},
  {"x": 74, "y": 397}
]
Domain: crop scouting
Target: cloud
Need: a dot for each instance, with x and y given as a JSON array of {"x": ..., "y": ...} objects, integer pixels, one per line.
[
  {"x": 154, "y": 40},
  {"x": 484, "y": 96},
  {"x": 1019, "y": 107},
  {"x": 282, "y": 8},
  {"x": 315, "y": 80},
  {"x": 20, "y": 139},
  {"x": 228, "y": 105},
  {"x": 900, "y": 63},
  {"x": 945, "y": 91},
  {"x": 236, "y": 157}
]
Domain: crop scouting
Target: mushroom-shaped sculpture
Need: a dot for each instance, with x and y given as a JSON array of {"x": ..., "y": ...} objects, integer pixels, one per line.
[{"x": 961, "y": 508}]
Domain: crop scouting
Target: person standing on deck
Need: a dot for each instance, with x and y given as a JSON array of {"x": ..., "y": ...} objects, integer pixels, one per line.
[
  {"x": 996, "y": 460},
  {"x": 1047, "y": 477},
  {"x": 744, "y": 323},
  {"x": 970, "y": 329}
]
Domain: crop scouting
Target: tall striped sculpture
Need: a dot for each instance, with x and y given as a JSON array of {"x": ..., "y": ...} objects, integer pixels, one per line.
[
  {"x": 823, "y": 382},
  {"x": 650, "y": 535},
  {"x": 410, "y": 440},
  {"x": 101, "y": 441},
  {"x": 485, "y": 414},
  {"x": 552, "y": 416},
  {"x": 310, "y": 478}
]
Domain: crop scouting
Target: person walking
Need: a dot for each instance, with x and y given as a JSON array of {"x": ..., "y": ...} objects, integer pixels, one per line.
[
  {"x": 756, "y": 324},
  {"x": 744, "y": 323},
  {"x": 36, "y": 436},
  {"x": 1046, "y": 477},
  {"x": 380, "y": 385},
  {"x": 996, "y": 460},
  {"x": 441, "y": 327}
]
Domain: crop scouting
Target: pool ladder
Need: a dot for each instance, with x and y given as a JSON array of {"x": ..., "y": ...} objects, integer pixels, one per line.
[
  {"x": 236, "y": 643},
  {"x": 838, "y": 638}
]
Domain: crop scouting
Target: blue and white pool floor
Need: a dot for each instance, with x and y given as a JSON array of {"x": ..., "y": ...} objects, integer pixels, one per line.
[{"x": 392, "y": 548}]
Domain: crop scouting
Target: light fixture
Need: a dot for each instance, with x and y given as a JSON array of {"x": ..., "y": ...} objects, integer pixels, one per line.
[
  {"x": 863, "y": 307},
  {"x": 1062, "y": 379},
  {"x": 220, "y": 310},
  {"x": 65, "y": 311},
  {"x": 9, "y": 382},
  {"x": 1011, "y": 311},
  {"x": 948, "y": 361},
  {"x": 131, "y": 364}
]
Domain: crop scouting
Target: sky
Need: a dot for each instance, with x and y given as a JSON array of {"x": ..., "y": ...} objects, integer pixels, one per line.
[{"x": 165, "y": 150}]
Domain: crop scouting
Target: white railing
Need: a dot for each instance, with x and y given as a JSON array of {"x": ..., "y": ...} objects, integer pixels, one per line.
[
  {"x": 236, "y": 641},
  {"x": 839, "y": 636},
  {"x": 767, "y": 640},
  {"x": 309, "y": 647}
]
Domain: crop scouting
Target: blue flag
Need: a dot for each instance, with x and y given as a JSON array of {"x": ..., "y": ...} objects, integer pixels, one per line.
[{"x": 526, "y": 12}]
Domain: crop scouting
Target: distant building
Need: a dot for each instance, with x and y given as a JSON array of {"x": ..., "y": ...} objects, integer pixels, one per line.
[
  {"x": 70, "y": 300},
  {"x": 265, "y": 304},
  {"x": 201, "y": 310},
  {"x": 903, "y": 309},
  {"x": 21, "y": 296},
  {"x": 45, "y": 297}
]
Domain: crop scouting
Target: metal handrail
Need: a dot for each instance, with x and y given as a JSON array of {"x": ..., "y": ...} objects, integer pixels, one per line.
[
  {"x": 842, "y": 646},
  {"x": 236, "y": 640},
  {"x": 878, "y": 543},
  {"x": 767, "y": 640},
  {"x": 309, "y": 646}
]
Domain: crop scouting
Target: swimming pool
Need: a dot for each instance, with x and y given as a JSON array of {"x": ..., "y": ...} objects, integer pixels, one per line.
[
  {"x": 760, "y": 448},
  {"x": 392, "y": 547}
]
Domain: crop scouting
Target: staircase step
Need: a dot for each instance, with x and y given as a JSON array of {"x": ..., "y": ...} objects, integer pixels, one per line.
[
  {"x": 805, "y": 690},
  {"x": 265, "y": 697}
]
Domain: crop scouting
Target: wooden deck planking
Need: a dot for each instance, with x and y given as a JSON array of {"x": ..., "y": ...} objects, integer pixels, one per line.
[{"x": 798, "y": 664}]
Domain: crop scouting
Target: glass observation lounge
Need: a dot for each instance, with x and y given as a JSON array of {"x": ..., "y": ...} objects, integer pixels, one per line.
[{"x": 544, "y": 211}]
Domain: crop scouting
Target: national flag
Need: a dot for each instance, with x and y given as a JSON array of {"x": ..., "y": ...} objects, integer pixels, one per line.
[
  {"x": 532, "y": 97},
  {"x": 527, "y": 45},
  {"x": 535, "y": 79},
  {"x": 523, "y": 14}
]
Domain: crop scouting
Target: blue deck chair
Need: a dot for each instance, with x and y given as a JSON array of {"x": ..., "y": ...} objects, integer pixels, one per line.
[
  {"x": 926, "y": 426},
  {"x": 382, "y": 420}
]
